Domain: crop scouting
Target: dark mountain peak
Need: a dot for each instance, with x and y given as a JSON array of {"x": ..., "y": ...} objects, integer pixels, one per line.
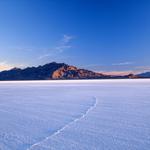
[
  {"x": 15, "y": 69},
  {"x": 32, "y": 73},
  {"x": 52, "y": 64},
  {"x": 55, "y": 70},
  {"x": 48, "y": 71}
]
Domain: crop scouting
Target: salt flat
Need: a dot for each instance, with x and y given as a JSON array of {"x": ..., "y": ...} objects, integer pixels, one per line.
[{"x": 75, "y": 115}]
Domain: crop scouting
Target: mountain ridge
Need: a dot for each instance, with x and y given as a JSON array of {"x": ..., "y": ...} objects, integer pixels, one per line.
[
  {"x": 56, "y": 71},
  {"x": 144, "y": 75}
]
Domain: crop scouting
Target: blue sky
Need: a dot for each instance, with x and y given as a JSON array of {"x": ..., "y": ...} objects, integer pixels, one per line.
[{"x": 101, "y": 35}]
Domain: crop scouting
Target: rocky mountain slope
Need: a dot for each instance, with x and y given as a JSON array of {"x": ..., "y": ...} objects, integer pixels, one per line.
[
  {"x": 31, "y": 73},
  {"x": 71, "y": 72},
  {"x": 54, "y": 71}
]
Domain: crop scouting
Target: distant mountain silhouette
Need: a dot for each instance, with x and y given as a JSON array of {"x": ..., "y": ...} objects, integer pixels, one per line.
[
  {"x": 55, "y": 71},
  {"x": 144, "y": 75},
  {"x": 31, "y": 73}
]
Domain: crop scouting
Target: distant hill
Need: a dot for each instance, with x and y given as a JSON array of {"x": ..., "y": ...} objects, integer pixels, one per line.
[
  {"x": 71, "y": 72},
  {"x": 55, "y": 71},
  {"x": 31, "y": 73},
  {"x": 144, "y": 75}
]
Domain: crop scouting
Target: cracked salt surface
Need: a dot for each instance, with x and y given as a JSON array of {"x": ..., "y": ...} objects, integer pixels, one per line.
[{"x": 75, "y": 115}]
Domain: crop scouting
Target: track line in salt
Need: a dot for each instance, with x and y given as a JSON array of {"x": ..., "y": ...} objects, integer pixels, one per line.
[{"x": 66, "y": 126}]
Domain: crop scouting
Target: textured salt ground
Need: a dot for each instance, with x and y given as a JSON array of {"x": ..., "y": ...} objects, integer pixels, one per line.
[
  {"x": 65, "y": 115},
  {"x": 82, "y": 116}
]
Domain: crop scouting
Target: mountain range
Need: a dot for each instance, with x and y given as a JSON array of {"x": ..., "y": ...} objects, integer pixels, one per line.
[
  {"x": 56, "y": 71},
  {"x": 144, "y": 75}
]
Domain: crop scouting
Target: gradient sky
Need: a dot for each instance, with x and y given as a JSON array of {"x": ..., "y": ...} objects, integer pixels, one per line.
[{"x": 102, "y": 35}]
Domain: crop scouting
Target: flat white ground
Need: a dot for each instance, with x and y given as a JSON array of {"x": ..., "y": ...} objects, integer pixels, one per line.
[{"x": 75, "y": 115}]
